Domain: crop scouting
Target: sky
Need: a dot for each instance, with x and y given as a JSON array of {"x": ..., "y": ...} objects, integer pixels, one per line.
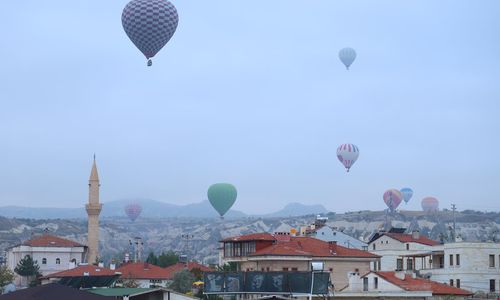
[{"x": 253, "y": 93}]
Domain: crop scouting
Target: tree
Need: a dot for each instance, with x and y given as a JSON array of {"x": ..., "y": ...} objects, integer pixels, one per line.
[
  {"x": 6, "y": 277},
  {"x": 28, "y": 268},
  {"x": 183, "y": 280},
  {"x": 167, "y": 259},
  {"x": 197, "y": 273},
  {"x": 152, "y": 259},
  {"x": 232, "y": 266}
]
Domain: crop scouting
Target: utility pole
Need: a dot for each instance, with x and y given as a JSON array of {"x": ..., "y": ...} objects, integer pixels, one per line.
[
  {"x": 187, "y": 237},
  {"x": 137, "y": 244},
  {"x": 454, "y": 208}
]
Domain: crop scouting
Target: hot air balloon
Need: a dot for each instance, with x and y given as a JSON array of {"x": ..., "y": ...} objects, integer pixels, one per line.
[
  {"x": 133, "y": 211},
  {"x": 222, "y": 196},
  {"x": 347, "y": 154},
  {"x": 392, "y": 199},
  {"x": 150, "y": 24},
  {"x": 407, "y": 194},
  {"x": 347, "y": 56},
  {"x": 430, "y": 204}
]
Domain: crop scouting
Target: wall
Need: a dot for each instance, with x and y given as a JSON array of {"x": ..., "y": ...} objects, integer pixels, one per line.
[{"x": 328, "y": 234}]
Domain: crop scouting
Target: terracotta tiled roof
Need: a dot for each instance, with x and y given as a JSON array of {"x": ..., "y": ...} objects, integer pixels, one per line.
[
  {"x": 80, "y": 270},
  {"x": 48, "y": 240},
  {"x": 142, "y": 270},
  {"x": 408, "y": 238},
  {"x": 181, "y": 266},
  {"x": 420, "y": 284},
  {"x": 251, "y": 237},
  {"x": 307, "y": 246}
]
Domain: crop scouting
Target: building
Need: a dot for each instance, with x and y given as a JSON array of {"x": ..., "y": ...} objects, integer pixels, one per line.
[
  {"x": 144, "y": 274},
  {"x": 93, "y": 208},
  {"x": 52, "y": 253},
  {"x": 396, "y": 249},
  {"x": 85, "y": 275},
  {"x": 397, "y": 285},
  {"x": 51, "y": 291},
  {"x": 140, "y": 294},
  {"x": 283, "y": 252},
  {"x": 329, "y": 234}
]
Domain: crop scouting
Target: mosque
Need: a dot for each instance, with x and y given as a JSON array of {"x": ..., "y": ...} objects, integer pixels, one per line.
[{"x": 55, "y": 254}]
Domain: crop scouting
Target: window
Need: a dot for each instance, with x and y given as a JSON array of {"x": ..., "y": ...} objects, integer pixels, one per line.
[
  {"x": 267, "y": 269},
  {"x": 458, "y": 283},
  {"x": 407, "y": 246},
  {"x": 387, "y": 242},
  {"x": 373, "y": 246},
  {"x": 451, "y": 282},
  {"x": 492, "y": 261},
  {"x": 375, "y": 282},
  {"x": 399, "y": 264},
  {"x": 457, "y": 260},
  {"x": 331, "y": 270},
  {"x": 492, "y": 285},
  {"x": 365, "y": 284},
  {"x": 409, "y": 264},
  {"x": 285, "y": 269},
  {"x": 295, "y": 269},
  {"x": 451, "y": 259},
  {"x": 58, "y": 261},
  {"x": 44, "y": 261},
  {"x": 262, "y": 269}
]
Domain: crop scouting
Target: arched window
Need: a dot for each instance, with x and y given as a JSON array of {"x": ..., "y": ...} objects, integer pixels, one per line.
[
  {"x": 44, "y": 261},
  {"x": 58, "y": 261}
]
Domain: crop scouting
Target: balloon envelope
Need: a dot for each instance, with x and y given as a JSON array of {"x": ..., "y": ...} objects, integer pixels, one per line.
[
  {"x": 430, "y": 204},
  {"x": 222, "y": 196},
  {"x": 407, "y": 194},
  {"x": 392, "y": 198},
  {"x": 150, "y": 24},
  {"x": 133, "y": 211},
  {"x": 347, "y": 56},
  {"x": 347, "y": 155}
]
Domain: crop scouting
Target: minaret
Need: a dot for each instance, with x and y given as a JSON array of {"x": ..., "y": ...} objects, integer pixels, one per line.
[{"x": 93, "y": 211}]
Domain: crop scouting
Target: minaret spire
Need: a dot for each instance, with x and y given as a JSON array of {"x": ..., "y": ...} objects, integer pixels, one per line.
[{"x": 93, "y": 208}]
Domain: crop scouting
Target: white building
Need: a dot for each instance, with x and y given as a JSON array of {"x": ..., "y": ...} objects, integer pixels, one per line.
[
  {"x": 329, "y": 234},
  {"x": 145, "y": 275},
  {"x": 397, "y": 249},
  {"x": 52, "y": 254}
]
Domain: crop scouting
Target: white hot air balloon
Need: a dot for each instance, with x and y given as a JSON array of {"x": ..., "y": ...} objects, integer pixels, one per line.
[
  {"x": 347, "y": 155},
  {"x": 347, "y": 56}
]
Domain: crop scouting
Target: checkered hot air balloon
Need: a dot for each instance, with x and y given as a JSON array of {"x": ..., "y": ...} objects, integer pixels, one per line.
[
  {"x": 150, "y": 24},
  {"x": 133, "y": 210},
  {"x": 347, "y": 154}
]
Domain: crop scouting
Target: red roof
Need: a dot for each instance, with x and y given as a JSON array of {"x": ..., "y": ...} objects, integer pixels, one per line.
[
  {"x": 408, "y": 238},
  {"x": 307, "y": 246},
  {"x": 47, "y": 240},
  {"x": 80, "y": 270},
  {"x": 182, "y": 266},
  {"x": 251, "y": 237},
  {"x": 419, "y": 284},
  {"x": 142, "y": 270}
]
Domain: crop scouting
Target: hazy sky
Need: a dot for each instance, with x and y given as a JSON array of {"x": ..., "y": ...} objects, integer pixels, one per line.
[{"x": 253, "y": 93}]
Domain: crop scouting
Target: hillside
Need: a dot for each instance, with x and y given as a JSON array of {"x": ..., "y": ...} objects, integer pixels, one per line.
[{"x": 165, "y": 233}]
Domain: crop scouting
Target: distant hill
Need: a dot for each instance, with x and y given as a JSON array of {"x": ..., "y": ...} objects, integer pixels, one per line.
[{"x": 152, "y": 209}]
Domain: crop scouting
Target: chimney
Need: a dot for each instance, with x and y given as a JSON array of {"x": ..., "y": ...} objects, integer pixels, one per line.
[
  {"x": 127, "y": 257},
  {"x": 146, "y": 266},
  {"x": 112, "y": 266},
  {"x": 400, "y": 274},
  {"x": 415, "y": 234},
  {"x": 333, "y": 247},
  {"x": 100, "y": 265}
]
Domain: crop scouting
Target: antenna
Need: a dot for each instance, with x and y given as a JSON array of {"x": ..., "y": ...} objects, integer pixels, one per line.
[{"x": 454, "y": 208}]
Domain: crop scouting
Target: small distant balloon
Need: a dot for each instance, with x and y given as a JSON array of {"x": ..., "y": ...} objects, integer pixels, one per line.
[
  {"x": 347, "y": 56},
  {"x": 430, "y": 204},
  {"x": 407, "y": 194},
  {"x": 347, "y": 155},
  {"x": 392, "y": 199},
  {"x": 150, "y": 24},
  {"x": 133, "y": 211},
  {"x": 222, "y": 196}
]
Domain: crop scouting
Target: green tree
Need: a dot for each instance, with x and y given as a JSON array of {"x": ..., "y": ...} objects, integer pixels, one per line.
[
  {"x": 29, "y": 269},
  {"x": 6, "y": 277},
  {"x": 183, "y": 280},
  {"x": 152, "y": 259},
  {"x": 167, "y": 259},
  {"x": 230, "y": 267},
  {"x": 197, "y": 273}
]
